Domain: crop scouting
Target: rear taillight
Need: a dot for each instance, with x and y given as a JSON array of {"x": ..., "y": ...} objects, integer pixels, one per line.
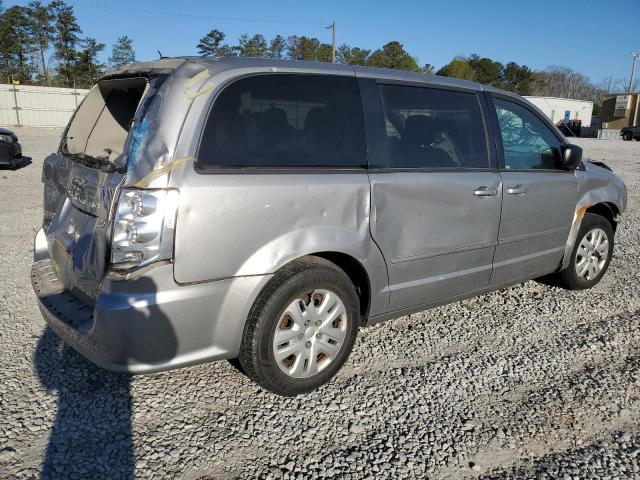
[{"x": 143, "y": 228}]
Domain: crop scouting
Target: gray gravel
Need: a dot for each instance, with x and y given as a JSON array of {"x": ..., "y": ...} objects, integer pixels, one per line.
[{"x": 531, "y": 381}]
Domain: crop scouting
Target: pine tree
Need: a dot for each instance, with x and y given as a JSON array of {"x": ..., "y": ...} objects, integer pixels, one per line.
[
  {"x": 88, "y": 69},
  {"x": 122, "y": 52},
  {"x": 393, "y": 55},
  {"x": 16, "y": 44},
  {"x": 302, "y": 48},
  {"x": 42, "y": 24},
  {"x": 255, "y": 46},
  {"x": 67, "y": 39},
  {"x": 277, "y": 46},
  {"x": 210, "y": 45}
]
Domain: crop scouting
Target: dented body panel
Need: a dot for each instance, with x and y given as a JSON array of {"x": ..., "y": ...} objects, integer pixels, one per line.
[
  {"x": 260, "y": 222},
  {"x": 595, "y": 185},
  {"x": 77, "y": 206},
  {"x": 422, "y": 239},
  {"x": 437, "y": 238}
]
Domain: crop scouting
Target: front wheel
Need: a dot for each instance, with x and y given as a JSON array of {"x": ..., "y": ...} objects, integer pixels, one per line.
[
  {"x": 627, "y": 136},
  {"x": 301, "y": 328},
  {"x": 591, "y": 253}
]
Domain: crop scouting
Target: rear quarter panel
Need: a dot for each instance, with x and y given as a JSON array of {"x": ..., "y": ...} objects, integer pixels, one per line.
[
  {"x": 240, "y": 224},
  {"x": 235, "y": 224}
]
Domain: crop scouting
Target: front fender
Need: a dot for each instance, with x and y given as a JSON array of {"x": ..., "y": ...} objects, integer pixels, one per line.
[{"x": 595, "y": 186}]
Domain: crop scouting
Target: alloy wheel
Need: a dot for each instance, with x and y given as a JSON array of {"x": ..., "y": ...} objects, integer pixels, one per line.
[{"x": 592, "y": 254}]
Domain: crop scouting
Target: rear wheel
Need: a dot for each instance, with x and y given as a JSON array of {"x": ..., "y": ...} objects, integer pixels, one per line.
[
  {"x": 591, "y": 253},
  {"x": 301, "y": 328},
  {"x": 627, "y": 136}
]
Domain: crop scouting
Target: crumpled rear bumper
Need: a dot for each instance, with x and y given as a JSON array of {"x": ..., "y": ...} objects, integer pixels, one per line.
[{"x": 148, "y": 323}]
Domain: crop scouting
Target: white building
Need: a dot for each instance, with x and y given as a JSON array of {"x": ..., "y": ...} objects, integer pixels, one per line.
[{"x": 564, "y": 109}]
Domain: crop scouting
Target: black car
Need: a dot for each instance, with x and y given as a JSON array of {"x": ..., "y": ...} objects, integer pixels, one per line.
[
  {"x": 629, "y": 133},
  {"x": 10, "y": 149}
]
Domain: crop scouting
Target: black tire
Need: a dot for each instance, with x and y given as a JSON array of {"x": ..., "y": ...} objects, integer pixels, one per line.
[
  {"x": 235, "y": 363},
  {"x": 299, "y": 277},
  {"x": 569, "y": 276},
  {"x": 626, "y": 136}
]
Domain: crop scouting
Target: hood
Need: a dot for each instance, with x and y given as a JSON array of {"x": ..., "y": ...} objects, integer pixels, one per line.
[{"x": 4, "y": 131}]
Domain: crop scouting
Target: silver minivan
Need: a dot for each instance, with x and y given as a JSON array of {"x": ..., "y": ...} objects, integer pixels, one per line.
[{"x": 262, "y": 211}]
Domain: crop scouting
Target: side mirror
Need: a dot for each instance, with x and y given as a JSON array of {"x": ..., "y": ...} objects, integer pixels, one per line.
[{"x": 571, "y": 156}]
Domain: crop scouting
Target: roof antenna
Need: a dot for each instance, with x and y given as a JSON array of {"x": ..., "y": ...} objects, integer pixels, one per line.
[{"x": 160, "y": 54}]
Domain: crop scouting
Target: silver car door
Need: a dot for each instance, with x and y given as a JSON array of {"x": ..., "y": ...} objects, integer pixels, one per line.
[
  {"x": 436, "y": 207},
  {"x": 539, "y": 197}
]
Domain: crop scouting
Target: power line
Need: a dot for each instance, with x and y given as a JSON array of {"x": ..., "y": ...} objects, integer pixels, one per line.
[{"x": 192, "y": 15}]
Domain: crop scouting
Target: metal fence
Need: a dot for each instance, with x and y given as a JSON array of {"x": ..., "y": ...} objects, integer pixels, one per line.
[{"x": 29, "y": 106}]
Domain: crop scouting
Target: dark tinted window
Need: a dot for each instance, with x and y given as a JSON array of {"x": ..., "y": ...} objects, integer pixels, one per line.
[
  {"x": 431, "y": 128},
  {"x": 286, "y": 120},
  {"x": 526, "y": 140}
]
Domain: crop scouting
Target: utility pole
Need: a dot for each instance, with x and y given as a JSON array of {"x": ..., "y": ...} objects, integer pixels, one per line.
[
  {"x": 333, "y": 41},
  {"x": 635, "y": 56}
]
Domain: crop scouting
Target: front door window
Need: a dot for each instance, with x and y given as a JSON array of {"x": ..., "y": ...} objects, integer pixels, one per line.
[{"x": 527, "y": 142}]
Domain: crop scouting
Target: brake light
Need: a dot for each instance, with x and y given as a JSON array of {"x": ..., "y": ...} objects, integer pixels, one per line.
[{"x": 143, "y": 228}]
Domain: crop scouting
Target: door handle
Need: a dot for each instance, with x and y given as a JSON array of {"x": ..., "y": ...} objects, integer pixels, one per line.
[
  {"x": 517, "y": 190},
  {"x": 485, "y": 192}
]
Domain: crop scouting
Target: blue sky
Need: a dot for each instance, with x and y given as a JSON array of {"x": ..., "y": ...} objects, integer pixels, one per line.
[{"x": 587, "y": 35}]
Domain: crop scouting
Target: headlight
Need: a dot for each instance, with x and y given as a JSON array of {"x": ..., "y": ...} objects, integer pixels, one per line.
[
  {"x": 6, "y": 138},
  {"x": 143, "y": 228}
]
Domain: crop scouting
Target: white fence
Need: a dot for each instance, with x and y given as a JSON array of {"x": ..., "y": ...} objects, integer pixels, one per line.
[{"x": 29, "y": 106}]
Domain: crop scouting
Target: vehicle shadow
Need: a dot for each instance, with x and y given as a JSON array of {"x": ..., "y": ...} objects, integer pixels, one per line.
[
  {"x": 92, "y": 435},
  {"x": 24, "y": 162},
  {"x": 551, "y": 280}
]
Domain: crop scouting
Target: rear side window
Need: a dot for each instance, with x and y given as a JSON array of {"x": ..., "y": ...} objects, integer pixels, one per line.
[
  {"x": 433, "y": 128},
  {"x": 285, "y": 120}
]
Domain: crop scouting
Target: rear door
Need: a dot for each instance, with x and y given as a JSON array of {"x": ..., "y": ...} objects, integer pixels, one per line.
[
  {"x": 80, "y": 182},
  {"x": 435, "y": 196},
  {"x": 539, "y": 197}
]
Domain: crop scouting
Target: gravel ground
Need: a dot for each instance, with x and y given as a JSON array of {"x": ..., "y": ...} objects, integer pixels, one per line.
[{"x": 531, "y": 381}]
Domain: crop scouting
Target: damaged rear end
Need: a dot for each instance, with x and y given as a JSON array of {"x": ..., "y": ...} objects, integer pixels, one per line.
[{"x": 100, "y": 225}]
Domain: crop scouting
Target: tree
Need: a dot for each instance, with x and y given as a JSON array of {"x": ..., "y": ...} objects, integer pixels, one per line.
[
  {"x": 277, "y": 47},
  {"x": 352, "y": 56},
  {"x": 88, "y": 69},
  {"x": 122, "y": 52},
  {"x": 559, "y": 81},
  {"x": 211, "y": 45},
  {"x": 66, "y": 42},
  {"x": 517, "y": 78},
  {"x": 487, "y": 71},
  {"x": 302, "y": 48},
  {"x": 459, "y": 67},
  {"x": 42, "y": 20},
  {"x": 393, "y": 55},
  {"x": 17, "y": 46},
  {"x": 428, "y": 69},
  {"x": 255, "y": 46},
  {"x": 324, "y": 53}
]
